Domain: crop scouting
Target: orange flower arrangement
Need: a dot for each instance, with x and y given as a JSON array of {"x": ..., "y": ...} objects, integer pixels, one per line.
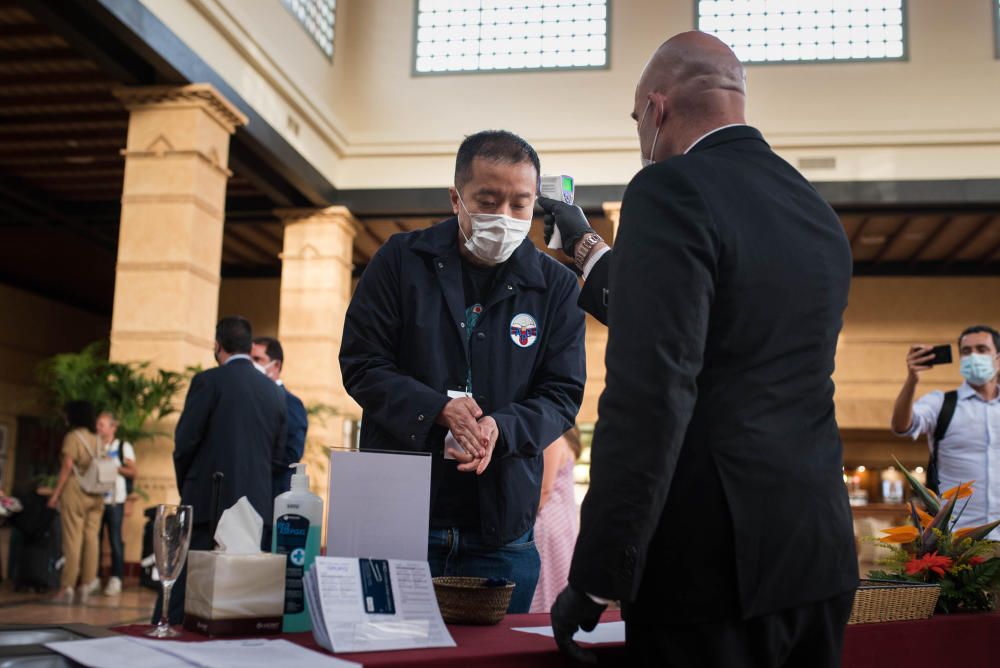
[{"x": 932, "y": 550}]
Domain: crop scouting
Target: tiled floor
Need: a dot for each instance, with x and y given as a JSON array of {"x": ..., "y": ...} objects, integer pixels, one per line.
[{"x": 133, "y": 605}]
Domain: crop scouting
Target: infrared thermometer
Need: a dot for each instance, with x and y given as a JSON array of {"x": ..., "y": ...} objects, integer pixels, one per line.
[{"x": 558, "y": 187}]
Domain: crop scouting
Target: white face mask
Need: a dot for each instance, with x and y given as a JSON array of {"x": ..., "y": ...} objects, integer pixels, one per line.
[
  {"x": 495, "y": 237},
  {"x": 646, "y": 162}
]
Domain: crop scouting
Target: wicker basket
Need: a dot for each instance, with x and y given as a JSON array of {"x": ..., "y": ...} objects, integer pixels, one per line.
[
  {"x": 891, "y": 601},
  {"x": 470, "y": 601}
]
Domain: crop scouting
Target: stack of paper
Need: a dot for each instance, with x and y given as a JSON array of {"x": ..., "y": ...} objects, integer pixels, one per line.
[
  {"x": 366, "y": 605},
  {"x": 125, "y": 651}
]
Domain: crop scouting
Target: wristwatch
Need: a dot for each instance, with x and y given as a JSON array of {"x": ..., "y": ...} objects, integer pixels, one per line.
[{"x": 583, "y": 248}]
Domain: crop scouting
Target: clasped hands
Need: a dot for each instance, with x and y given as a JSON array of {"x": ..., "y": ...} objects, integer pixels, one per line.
[{"x": 475, "y": 434}]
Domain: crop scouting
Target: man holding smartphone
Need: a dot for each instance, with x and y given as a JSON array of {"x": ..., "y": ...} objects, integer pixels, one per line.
[{"x": 962, "y": 426}]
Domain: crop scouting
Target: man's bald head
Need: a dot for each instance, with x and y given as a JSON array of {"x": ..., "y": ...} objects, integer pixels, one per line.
[{"x": 695, "y": 83}]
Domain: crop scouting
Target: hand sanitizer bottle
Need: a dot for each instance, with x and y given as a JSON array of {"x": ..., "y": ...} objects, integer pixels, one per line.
[{"x": 298, "y": 516}]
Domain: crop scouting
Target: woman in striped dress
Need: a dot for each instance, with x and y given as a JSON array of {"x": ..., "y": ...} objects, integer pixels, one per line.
[{"x": 557, "y": 522}]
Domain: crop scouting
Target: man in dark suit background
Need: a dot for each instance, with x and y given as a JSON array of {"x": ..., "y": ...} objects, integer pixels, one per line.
[
  {"x": 717, "y": 512},
  {"x": 234, "y": 423},
  {"x": 268, "y": 354}
]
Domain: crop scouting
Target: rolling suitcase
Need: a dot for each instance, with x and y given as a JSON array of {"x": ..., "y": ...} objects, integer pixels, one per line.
[{"x": 36, "y": 558}]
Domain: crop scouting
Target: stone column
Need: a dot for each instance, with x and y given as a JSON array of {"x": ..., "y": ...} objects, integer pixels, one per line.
[
  {"x": 316, "y": 287},
  {"x": 316, "y": 268},
  {"x": 169, "y": 249},
  {"x": 173, "y": 209}
]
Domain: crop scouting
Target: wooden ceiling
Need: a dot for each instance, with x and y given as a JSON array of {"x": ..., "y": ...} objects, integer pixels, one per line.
[
  {"x": 956, "y": 239},
  {"x": 61, "y": 171}
]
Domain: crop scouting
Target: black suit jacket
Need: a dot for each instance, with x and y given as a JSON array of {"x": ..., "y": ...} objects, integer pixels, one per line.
[
  {"x": 234, "y": 422},
  {"x": 716, "y": 483}
]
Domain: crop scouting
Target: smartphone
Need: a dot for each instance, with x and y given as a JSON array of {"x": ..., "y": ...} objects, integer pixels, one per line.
[{"x": 942, "y": 355}]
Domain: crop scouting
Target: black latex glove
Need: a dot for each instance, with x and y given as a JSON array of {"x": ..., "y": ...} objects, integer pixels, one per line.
[
  {"x": 574, "y": 610},
  {"x": 570, "y": 220}
]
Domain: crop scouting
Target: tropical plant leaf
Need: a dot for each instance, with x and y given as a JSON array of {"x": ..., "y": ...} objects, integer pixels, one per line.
[{"x": 926, "y": 497}]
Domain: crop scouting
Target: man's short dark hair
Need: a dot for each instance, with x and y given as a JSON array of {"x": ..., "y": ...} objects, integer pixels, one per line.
[
  {"x": 79, "y": 414},
  {"x": 272, "y": 348},
  {"x": 496, "y": 146},
  {"x": 976, "y": 329},
  {"x": 234, "y": 335}
]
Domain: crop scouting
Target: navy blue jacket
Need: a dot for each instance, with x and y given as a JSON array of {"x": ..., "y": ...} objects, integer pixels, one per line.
[
  {"x": 405, "y": 346},
  {"x": 295, "y": 444}
]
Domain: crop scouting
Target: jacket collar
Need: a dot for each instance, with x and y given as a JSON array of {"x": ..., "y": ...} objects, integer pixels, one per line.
[
  {"x": 726, "y": 135},
  {"x": 440, "y": 241}
]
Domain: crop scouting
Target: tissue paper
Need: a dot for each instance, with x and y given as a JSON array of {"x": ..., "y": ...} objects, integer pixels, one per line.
[
  {"x": 235, "y": 589},
  {"x": 240, "y": 529}
]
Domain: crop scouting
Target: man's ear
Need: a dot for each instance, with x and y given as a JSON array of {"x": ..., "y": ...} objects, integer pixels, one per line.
[
  {"x": 453, "y": 194},
  {"x": 659, "y": 108}
]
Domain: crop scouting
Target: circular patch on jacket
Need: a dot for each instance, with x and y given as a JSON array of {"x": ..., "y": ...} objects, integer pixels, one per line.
[{"x": 523, "y": 330}]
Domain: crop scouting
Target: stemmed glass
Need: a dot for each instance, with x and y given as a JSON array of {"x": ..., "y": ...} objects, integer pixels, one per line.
[{"x": 171, "y": 537}]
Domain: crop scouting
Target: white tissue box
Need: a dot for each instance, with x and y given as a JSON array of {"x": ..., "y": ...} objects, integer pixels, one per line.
[{"x": 234, "y": 594}]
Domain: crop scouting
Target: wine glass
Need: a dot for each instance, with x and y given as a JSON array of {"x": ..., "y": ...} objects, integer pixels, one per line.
[{"x": 171, "y": 537}]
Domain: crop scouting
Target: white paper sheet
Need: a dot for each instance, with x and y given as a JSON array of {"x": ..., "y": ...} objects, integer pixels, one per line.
[
  {"x": 605, "y": 632},
  {"x": 115, "y": 652},
  {"x": 246, "y": 653},
  {"x": 379, "y": 505},
  {"x": 150, "y": 653},
  {"x": 342, "y": 624}
]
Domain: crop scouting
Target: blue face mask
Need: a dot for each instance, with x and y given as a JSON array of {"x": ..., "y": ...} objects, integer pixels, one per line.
[{"x": 977, "y": 368}]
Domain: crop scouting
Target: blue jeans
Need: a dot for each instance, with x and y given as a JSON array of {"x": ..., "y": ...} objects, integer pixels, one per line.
[
  {"x": 112, "y": 522},
  {"x": 462, "y": 553}
]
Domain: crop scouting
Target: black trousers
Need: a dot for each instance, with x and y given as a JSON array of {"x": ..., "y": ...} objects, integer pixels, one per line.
[
  {"x": 810, "y": 636},
  {"x": 201, "y": 539}
]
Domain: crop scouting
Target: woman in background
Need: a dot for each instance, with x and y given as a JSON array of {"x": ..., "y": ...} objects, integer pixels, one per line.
[
  {"x": 557, "y": 523},
  {"x": 80, "y": 513}
]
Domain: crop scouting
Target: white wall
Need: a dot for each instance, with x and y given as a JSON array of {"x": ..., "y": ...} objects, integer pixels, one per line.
[{"x": 366, "y": 121}]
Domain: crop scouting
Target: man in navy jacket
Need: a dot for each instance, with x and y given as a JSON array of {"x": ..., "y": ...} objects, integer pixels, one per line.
[
  {"x": 465, "y": 330},
  {"x": 268, "y": 354}
]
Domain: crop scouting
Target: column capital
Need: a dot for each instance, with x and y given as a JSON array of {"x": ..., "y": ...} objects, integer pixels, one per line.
[
  {"x": 199, "y": 95},
  {"x": 330, "y": 214}
]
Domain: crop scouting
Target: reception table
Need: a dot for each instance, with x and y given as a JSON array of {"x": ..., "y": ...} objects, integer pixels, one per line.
[{"x": 943, "y": 640}]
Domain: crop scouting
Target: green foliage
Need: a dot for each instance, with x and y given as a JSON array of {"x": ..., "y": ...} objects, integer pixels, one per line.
[
  {"x": 137, "y": 395},
  {"x": 970, "y": 588}
]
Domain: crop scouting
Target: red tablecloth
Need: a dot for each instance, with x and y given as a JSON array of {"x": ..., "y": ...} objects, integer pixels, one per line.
[
  {"x": 940, "y": 642},
  {"x": 478, "y": 646}
]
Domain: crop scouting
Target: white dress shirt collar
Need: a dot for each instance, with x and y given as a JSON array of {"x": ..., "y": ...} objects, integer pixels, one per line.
[{"x": 712, "y": 132}]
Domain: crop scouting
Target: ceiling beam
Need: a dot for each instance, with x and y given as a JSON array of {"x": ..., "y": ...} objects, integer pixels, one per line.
[
  {"x": 890, "y": 243},
  {"x": 858, "y": 232},
  {"x": 78, "y": 24},
  {"x": 931, "y": 238},
  {"x": 50, "y": 56},
  {"x": 991, "y": 254},
  {"x": 53, "y": 78},
  {"x": 52, "y": 122},
  {"x": 32, "y": 202},
  {"x": 23, "y": 30},
  {"x": 970, "y": 238},
  {"x": 249, "y": 248}
]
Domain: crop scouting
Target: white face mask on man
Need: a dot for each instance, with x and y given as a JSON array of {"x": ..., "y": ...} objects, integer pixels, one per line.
[{"x": 495, "y": 237}]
